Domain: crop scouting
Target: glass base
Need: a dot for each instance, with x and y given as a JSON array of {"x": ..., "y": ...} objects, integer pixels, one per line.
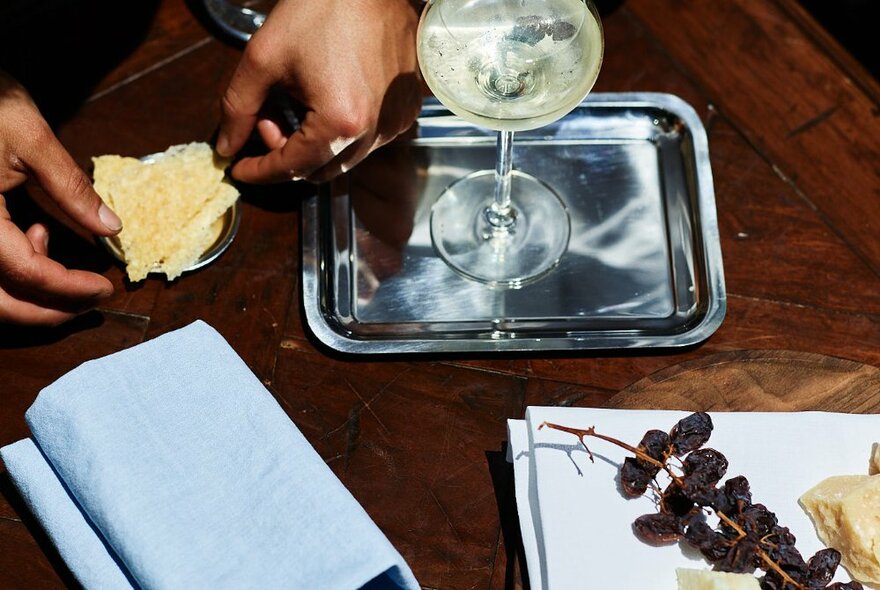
[{"x": 507, "y": 257}]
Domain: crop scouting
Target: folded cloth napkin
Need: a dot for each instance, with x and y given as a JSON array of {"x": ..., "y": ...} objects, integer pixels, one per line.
[
  {"x": 577, "y": 525},
  {"x": 169, "y": 465}
]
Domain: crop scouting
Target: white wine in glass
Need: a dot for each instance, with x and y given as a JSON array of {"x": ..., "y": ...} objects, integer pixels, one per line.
[{"x": 509, "y": 65}]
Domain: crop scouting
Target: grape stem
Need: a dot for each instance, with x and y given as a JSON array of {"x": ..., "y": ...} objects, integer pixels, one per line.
[{"x": 582, "y": 433}]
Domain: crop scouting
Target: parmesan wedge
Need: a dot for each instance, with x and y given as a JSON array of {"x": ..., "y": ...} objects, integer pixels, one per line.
[
  {"x": 691, "y": 579},
  {"x": 845, "y": 510}
]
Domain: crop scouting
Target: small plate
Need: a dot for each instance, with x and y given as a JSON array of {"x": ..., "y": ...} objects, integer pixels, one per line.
[{"x": 224, "y": 228}]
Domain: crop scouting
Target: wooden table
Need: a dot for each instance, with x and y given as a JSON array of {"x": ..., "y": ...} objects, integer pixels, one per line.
[{"x": 794, "y": 133}]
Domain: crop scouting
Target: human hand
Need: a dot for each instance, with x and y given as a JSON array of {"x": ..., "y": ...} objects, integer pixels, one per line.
[
  {"x": 352, "y": 65},
  {"x": 34, "y": 289}
]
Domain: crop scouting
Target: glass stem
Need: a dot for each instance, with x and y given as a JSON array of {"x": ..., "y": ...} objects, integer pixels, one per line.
[{"x": 500, "y": 215}]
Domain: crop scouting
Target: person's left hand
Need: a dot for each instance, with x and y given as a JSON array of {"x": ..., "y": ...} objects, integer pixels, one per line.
[{"x": 352, "y": 65}]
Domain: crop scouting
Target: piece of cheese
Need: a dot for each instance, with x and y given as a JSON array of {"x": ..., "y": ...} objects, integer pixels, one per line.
[
  {"x": 691, "y": 579},
  {"x": 168, "y": 206},
  {"x": 845, "y": 510}
]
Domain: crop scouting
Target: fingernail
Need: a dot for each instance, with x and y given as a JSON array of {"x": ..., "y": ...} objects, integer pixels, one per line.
[
  {"x": 46, "y": 241},
  {"x": 222, "y": 145},
  {"x": 109, "y": 218}
]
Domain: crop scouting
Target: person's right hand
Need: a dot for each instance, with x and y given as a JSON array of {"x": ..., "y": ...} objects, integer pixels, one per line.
[
  {"x": 352, "y": 65},
  {"x": 34, "y": 289}
]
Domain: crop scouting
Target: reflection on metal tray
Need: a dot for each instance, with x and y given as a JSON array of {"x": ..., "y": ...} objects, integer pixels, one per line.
[{"x": 643, "y": 268}]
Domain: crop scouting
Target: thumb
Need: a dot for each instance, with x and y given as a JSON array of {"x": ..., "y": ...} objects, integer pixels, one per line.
[
  {"x": 38, "y": 236},
  {"x": 66, "y": 183}
]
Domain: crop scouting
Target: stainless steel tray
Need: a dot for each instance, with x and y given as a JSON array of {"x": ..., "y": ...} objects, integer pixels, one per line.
[{"x": 643, "y": 267}]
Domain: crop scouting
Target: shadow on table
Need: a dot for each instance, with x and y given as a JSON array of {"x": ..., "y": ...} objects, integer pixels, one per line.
[
  {"x": 14, "y": 337},
  {"x": 606, "y": 7},
  {"x": 61, "y": 49},
  {"x": 853, "y": 24},
  {"x": 501, "y": 471},
  {"x": 10, "y": 494}
]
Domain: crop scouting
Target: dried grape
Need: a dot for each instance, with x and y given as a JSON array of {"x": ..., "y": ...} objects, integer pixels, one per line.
[
  {"x": 676, "y": 501},
  {"x": 659, "y": 528},
  {"x": 821, "y": 567},
  {"x": 657, "y": 445},
  {"x": 734, "y": 496},
  {"x": 691, "y": 433},
  {"x": 636, "y": 476}
]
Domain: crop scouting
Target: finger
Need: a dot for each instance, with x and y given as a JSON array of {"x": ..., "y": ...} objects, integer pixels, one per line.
[
  {"x": 16, "y": 311},
  {"x": 354, "y": 155},
  {"x": 345, "y": 161},
  {"x": 24, "y": 270},
  {"x": 11, "y": 177},
  {"x": 38, "y": 235},
  {"x": 66, "y": 183},
  {"x": 243, "y": 99},
  {"x": 312, "y": 146},
  {"x": 272, "y": 135}
]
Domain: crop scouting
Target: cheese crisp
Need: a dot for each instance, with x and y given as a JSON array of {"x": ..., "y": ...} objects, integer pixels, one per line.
[{"x": 168, "y": 206}]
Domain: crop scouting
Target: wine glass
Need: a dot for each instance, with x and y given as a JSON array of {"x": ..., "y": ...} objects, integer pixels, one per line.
[{"x": 509, "y": 65}]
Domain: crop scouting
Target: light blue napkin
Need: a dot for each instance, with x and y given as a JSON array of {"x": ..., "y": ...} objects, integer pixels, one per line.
[{"x": 169, "y": 465}]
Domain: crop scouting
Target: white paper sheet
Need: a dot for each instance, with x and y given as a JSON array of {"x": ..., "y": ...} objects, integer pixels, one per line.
[{"x": 585, "y": 538}]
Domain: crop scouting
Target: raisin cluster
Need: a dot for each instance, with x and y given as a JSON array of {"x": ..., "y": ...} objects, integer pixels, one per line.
[{"x": 747, "y": 535}]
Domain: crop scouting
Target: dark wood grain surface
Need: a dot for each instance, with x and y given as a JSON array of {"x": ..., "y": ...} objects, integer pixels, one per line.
[
  {"x": 758, "y": 380},
  {"x": 794, "y": 134}
]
